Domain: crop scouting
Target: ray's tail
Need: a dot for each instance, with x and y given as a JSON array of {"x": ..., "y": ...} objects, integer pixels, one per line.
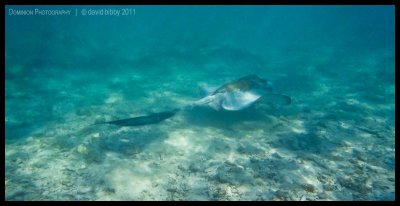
[{"x": 153, "y": 118}]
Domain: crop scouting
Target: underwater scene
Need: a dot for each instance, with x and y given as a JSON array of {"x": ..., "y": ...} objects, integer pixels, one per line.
[{"x": 270, "y": 103}]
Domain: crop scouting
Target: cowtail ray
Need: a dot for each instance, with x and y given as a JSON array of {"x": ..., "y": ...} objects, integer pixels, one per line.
[{"x": 233, "y": 96}]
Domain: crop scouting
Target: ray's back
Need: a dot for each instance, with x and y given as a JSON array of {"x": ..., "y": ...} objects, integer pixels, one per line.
[{"x": 243, "y": 84}]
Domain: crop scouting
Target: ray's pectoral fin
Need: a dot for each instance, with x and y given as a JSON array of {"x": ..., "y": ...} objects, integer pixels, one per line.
[
  {"x": 239, "y": 100},
  {"x": 212, "y": 101},
  {"x": 204, "y": 100},
  {"x": 278, "y": 99},
  {"x": 206, "y": 90}
]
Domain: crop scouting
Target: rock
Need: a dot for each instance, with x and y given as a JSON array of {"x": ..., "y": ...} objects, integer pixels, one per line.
[
  {"x": 281, "y": 195},
  {"x": 109, "y": 190},
  {"x": 328, "y": 187},
  {"x": 84, "y": 190},
  {"x": 82, "y": 149},
  {"x": 45, "y": 193},
  {"x": 195, "y": 167},
  {"x": 309, "y": 188},
  {"x": 384, "y": 196},
  {"x": 18, "y": 194},
  {"x": 67, "y": 183},
  {"x": 248, "y": 148},
  {"x": 323, "y": 196},
  {"x": 232, "y": 173}
]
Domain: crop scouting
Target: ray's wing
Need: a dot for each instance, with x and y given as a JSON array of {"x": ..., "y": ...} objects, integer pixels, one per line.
[
  {"x": 238, "y": 100},
  {"x": 205, "y": 89}
]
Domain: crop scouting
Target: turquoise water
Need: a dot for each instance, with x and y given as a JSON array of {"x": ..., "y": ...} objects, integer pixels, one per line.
[{"x": 335, "y": 141}]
